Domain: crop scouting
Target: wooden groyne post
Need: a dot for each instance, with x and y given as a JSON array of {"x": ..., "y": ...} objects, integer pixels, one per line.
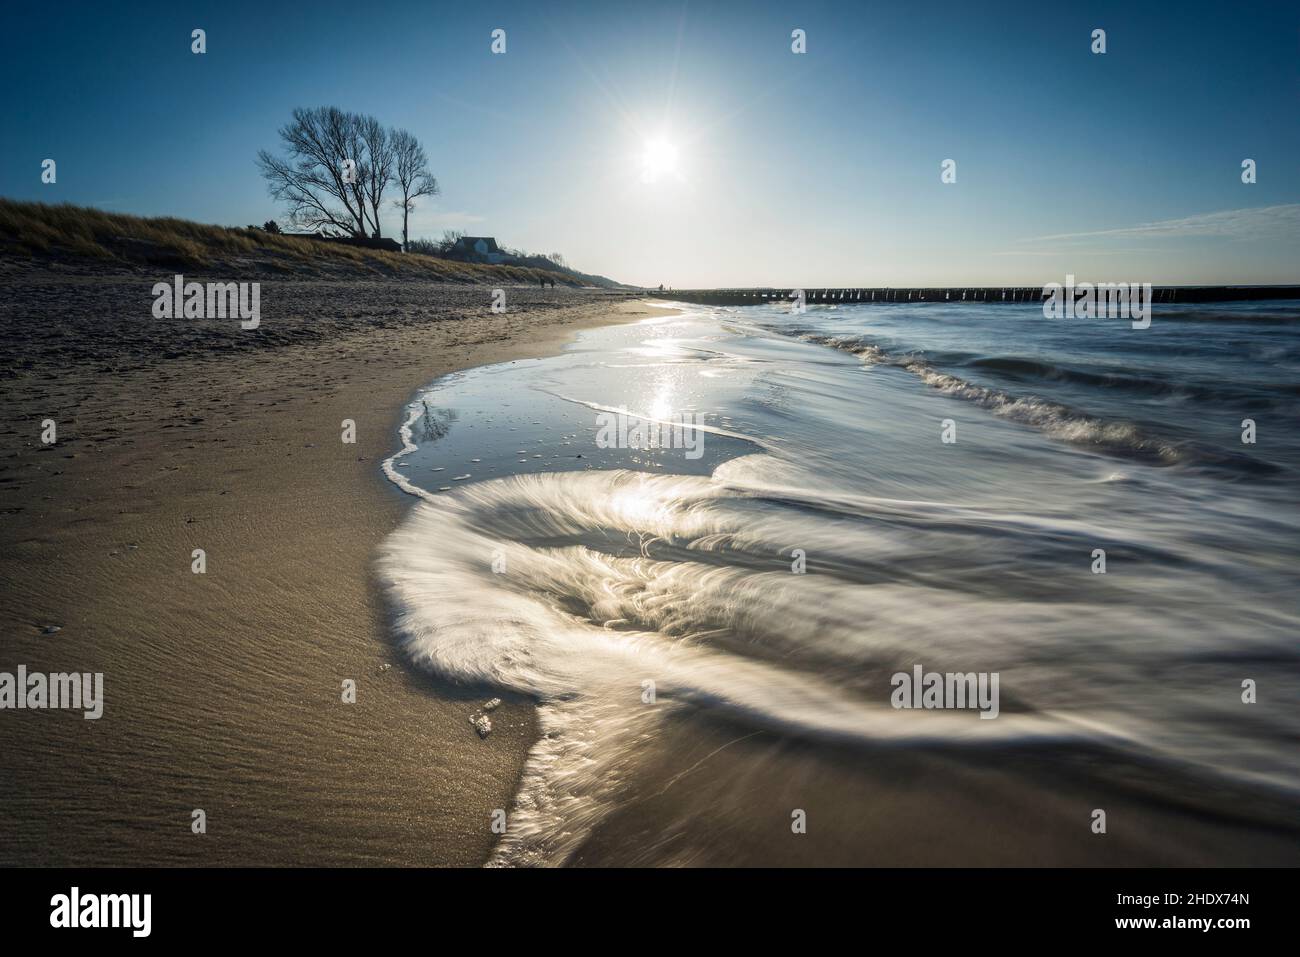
[{"x": 1159, "y": 294}]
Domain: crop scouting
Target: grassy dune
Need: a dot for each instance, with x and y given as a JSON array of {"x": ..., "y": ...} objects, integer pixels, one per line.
[{"x": 86, "y": 237}]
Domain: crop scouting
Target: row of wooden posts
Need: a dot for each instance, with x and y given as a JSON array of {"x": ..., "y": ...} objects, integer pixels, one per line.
[{"x": 752, "y": 297}]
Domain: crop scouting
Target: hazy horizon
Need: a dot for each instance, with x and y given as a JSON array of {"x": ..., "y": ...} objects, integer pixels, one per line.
[{"x": 770, "y": 167}]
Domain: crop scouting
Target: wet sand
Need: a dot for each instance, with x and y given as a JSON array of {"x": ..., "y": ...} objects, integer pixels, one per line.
[
  {"x": 921, "y": 807},
  {"x": 223, "y": 690}
]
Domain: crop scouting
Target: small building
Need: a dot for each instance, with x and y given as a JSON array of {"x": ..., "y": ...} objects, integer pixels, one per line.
[{"x": 483, "y": 249}]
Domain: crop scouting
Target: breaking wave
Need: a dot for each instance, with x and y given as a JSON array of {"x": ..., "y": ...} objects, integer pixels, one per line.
[
  {"x": 1056, "y": 419},
  {"x": 606, "y": 581}
]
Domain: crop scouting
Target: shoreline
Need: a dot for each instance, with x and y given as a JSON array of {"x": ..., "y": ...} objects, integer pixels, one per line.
[
  {"x": 774, "y": 689},
  {"x": 222, "y": 690}
]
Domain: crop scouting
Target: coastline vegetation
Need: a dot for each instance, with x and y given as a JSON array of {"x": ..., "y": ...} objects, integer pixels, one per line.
[{"x": 84, "y": 235}]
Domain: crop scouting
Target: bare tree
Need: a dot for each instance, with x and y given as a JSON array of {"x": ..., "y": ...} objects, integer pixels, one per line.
[
  {"x": 411, "y": 170},
  {"x": 449, "y": 239},
  {"x": 338, "y": 168},
  {"x": 325, "y": 149},
  {"x": 427, "y": 247},
  {"x": 378, "y": 144},
  {"x": 345, "y": 136}
]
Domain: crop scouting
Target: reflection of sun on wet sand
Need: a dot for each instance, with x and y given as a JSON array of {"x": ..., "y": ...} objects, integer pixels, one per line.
[{"x": 222, "y": 690}]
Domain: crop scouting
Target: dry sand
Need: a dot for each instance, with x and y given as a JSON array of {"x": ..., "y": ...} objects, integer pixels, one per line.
[{"x": 223, "y": 690}]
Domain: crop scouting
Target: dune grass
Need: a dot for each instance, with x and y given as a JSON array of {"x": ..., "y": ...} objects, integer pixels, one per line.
[{"x": 64, "y": 231}]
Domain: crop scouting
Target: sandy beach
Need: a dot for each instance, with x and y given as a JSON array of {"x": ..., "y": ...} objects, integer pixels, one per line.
[
  {"x": 223, "y": 690},
  {"x": 689, "y": 437}
]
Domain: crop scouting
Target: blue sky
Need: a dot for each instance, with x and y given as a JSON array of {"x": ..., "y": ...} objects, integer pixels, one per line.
[{"x": 813, "y": 169}]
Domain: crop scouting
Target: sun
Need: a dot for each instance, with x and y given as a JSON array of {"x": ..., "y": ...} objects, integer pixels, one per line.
[{"x": 658, "y": 160}]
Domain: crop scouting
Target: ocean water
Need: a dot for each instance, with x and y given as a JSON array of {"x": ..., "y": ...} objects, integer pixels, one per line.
[{"x": 711, "y": 639}]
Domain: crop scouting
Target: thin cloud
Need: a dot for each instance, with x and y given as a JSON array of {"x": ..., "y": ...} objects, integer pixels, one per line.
[
  {"x": 1074, "y": 252},
  {"x": 1261, "y": 222}
]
